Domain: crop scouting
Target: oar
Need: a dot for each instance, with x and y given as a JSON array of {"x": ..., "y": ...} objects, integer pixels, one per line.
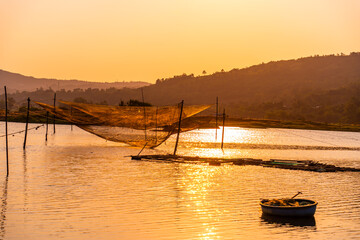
[{"x": 296, "y": 195}]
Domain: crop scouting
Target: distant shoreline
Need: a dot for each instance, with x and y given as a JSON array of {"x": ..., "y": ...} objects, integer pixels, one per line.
[
  {"x": 306, "y": 125},
  {"x": 210, "y": 122}
]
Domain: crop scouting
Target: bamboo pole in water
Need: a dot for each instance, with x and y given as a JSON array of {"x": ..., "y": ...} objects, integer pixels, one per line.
[
  {"x": 54, "y": 110},
  {"x": 6, "y": 134},
  {"x": 47, "y": 125},
  {"x": 27, "y": 122},
  {"x": 179, "y": 128},
  {"x": 216, "y": 117},
  {"x": 71, "y": 116},
  {"x": 156, "y": 125},
  {"x": 223, "y": 131},
  {"x": 142, "y": 95}
]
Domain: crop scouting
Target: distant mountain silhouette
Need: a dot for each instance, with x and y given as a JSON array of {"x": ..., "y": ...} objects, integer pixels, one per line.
[
  {"x": 273, "y": 81},
  {"x": 17, "y": 82},
  {"x": 318, "y": 88}
]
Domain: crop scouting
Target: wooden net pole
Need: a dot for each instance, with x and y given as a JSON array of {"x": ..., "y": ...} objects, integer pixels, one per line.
[
  {"x": 216, "y": 118},
  {"x": 223, "y": 131},
  {"x": 142, "y": 95},
  {"x": 156, "y": 125},
  {"x": 27, "y": 122},
  {"x": 54, "y": 110},
  {"x": 47, "y": 125},
  {"x": 6, "y": 134},
  {"x": 179, "y": 128}
]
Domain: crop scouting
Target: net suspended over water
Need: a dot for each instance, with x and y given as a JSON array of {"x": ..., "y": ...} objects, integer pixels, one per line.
[{"x": 135, "y": 125}]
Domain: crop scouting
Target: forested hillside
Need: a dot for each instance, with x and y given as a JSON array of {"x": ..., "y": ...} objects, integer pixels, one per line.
[
  {"x": 17, "y": 82},
  {"x": 319, "y": 88}
]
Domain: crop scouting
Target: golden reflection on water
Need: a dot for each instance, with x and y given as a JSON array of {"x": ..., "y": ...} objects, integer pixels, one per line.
[
  {"x": 205, "y": 144},
  {"x": 197, "y": 182},
  {"x": 3, "y": 209},
  {"x": 81, "y": 187},
  {"x": 231, "y": 135}
]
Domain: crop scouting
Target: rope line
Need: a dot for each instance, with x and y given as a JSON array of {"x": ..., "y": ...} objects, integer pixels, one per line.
[{"x": 36, "y": 128}]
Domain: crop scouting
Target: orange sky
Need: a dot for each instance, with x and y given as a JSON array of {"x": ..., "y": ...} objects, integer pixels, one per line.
[{"x": 142, "y": 40}]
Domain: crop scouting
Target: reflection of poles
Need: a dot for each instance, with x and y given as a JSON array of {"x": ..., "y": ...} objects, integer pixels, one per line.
[
  {"x": 6, "y": 134},
  {"x": 27, "y": 122},
  {"x": 25, "y": 184},
  {"x": 25, "y": 181},
  {"x": 216, "y": 127},
  {"x": 179, "y": 128},
  {"x": 223, "y": 131},
  {"x": 3, "y": 209},
  {"x": 54, "y": 110}
]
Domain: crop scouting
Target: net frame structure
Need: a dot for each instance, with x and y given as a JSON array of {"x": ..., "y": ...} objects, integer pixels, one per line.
[{"x": 140, "y": 126}]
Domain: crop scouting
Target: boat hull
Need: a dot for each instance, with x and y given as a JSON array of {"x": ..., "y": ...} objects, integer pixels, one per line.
[{"x": 289, "y": 211}]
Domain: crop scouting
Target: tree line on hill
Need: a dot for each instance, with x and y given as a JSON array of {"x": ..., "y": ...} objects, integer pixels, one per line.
[{"x": 318, "y": 88}]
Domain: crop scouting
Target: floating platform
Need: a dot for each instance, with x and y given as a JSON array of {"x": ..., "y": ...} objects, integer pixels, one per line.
[{"x": 304, "y": 165}]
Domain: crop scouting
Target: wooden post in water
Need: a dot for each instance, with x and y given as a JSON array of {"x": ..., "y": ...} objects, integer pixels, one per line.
[
  {"x": 142, "y": 95},
  {"x": 223, "y": 131},
  {"x": 217, "y": 107},
  {"x": 179, "y": 128},
  {"x": 71, "y": 116},
  {"x": 27, "y": 122},
  {"x": 156, "y": 124},
  {"x": 6, "y": 134},
  {"x": 54, "y": 110},
  {"x": 47, "y": 125}
]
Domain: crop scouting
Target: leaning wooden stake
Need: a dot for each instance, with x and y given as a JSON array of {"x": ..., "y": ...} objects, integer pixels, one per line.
[
  {"x": 6, "y": 135},
  {"x": 47, "y": 125},
  {"x": 142, "y": 149},
  {"x": 223, "y": 131},
  {"x": 27, "y": 122},
  {"x": 54, "y": 110},
  {"x": 179, "y": 128}
]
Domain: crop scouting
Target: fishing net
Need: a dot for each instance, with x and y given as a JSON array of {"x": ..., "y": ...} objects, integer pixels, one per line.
[{"x": 135, "y": 125}]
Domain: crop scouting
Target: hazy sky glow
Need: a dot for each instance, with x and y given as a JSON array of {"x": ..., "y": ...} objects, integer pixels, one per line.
[{"x": 142, "y": 40}]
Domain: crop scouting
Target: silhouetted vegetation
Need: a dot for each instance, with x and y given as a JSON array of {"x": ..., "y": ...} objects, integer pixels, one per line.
[
  {"x": 17, "y": 82},
  {"x": 319, "y": 89},
  {"x": 133, "y": 102}
]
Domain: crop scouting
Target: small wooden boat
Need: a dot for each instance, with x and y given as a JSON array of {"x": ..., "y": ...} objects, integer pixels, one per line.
[{"x": 290, "y": 207}]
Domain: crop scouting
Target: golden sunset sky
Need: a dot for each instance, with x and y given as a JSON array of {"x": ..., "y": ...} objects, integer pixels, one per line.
[{"x": 142, "y": 40}]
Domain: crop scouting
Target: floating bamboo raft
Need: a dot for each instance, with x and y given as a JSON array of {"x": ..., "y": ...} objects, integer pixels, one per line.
[{"x": 304, "y": 165}]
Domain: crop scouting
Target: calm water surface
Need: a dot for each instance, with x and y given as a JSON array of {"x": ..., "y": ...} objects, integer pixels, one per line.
[{"x": 78, "y": 186}]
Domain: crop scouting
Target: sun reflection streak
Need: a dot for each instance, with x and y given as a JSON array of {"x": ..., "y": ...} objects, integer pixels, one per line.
[
  {"x": 231, "y": 135},
  {"x": 197, "y": 184},
  {"x": 203, "y": 144}
]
